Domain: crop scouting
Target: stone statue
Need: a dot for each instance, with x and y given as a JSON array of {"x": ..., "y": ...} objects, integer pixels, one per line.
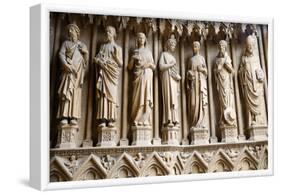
[
  {"x": 109, "y": 60},
  {"x": 72, "y": 164},
  {"x": 142, "y": 64},
  {"x": 197, "y": 88},
  {"x": 170, "y": 78},
  {"x": 73, "y": 55},
  {"x": 223, "y": 76},
  {"x": 251, "y": 79}
]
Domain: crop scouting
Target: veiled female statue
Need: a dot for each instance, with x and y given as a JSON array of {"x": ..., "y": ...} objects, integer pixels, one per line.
[
  {"x": 109, "y": 60},
  {"x": 73, "y": 55},
  {"x": 170, "y": 79},
  {"x": 223, "y": 75},
  {"x": 197, "y": 87},
  {"x": 142, "y": 64},
  {"x": 251, "y": 80}
]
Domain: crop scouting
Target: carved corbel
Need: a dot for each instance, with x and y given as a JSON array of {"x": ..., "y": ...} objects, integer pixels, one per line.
[
  {"x": 121, "y": 22},
  {"x": 211, "y": 31},
  {"x": 149, "y": 25},
  {"x": 223, "y": 32},
  {"x": 251, "y": 29},
  {"x": 135, "y": 24},
  {"x": 237, "y": 31},
  {"x": 169, "y": 27},
  {"x": 101, "y": 21},
  {"x": 196, "y": 29}
]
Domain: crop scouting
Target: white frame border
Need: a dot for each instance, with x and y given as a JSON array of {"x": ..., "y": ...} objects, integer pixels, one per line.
[{"x": 39, "y": 100}]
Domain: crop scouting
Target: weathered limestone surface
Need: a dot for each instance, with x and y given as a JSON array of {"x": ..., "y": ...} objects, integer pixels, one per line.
[{"x": 133, "y": 97}]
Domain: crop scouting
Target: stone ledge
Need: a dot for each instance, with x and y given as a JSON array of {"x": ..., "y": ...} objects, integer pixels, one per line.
[{"x": 121, "y": 149}]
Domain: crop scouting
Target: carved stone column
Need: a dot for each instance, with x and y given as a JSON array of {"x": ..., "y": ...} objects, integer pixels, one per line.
[
  {"x": 264, "y": 32},
  {"x": 124, "y": 140},
  {"x": 53, "y": 69},
  {"x": 88, "y": 142},
  {"x": 241, "y": 136},
  {"x": 213, "y": 138},
  {"x": 262, "y": 61},
  {"x": 156, "y": 139},
  {"x": 183, "y": 95}
]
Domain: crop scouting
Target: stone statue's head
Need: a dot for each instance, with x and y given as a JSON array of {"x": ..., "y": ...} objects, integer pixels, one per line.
[
  {"x": 196, "y": 47},
  {"x": 110, "y": 33},
  {"x": 250, "y": 44},
  {"x": 141, "y": 39},
  {"x": 222, "y": 46},
  {"x": 73, "y": 31},
  {"x": 171, "y": 44},
  {"x": 72, "y": 158}
]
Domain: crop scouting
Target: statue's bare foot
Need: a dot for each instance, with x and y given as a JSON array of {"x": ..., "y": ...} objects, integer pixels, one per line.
[
  {"x": 102, "y": 124},
  {"x": 253, "y": 123},
  {"x": 73, "y": 121},
  {"x": 63, "y": 121},
  {"x": 111, "y": 124},
  {"x": 146, "y": 123},
  {"x": 170, "y": 124}
]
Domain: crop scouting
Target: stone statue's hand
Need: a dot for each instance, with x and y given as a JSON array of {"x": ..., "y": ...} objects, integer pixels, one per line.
[
  {"x": 172, "y": 64},
  {"x": 152, "y": 66},
  {"x": 148, "y": 65},
  {"x": 114, "y": 54},
  {"x": 260, "y": 75},
  {"x": 190, "y": 75},
  {"x": 219, "y": 67},
  {"x": 99, "y": 61},
  {"x": 67, "y": 68},
  {"x": 201, "y": 69}
]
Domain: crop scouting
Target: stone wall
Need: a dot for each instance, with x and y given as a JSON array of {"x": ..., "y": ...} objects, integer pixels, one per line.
[{"x": 78, "y": 157}]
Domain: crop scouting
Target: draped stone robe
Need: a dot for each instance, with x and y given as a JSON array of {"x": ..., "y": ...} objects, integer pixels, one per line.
[
  {"x": 251, "y": 80},
  {"x": 224, "y": 82},
  {"x": 142, "y": 99},
  {"x": 197, "y": 91},
  {"x": 107, "y": 83},
  {"x": 70, "y": 88},
  {"x": 170, "y": 88}
]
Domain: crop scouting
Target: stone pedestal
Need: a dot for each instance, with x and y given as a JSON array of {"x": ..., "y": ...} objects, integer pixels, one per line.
[
  {"x": 170, "y": 136},
  {"x": 156, "y": 141},
  {"x": 142, "y": 135},
  {"x": 124, "y": 142},
  {"x": 107, "y": 136},
  {"x": 258, "y": 133},
  {"x": 241, "y": 138},
  {"x": 185, "y": 141},
  {"x": 68, "y": 136},
  {"x": 199, "y": 136},
  {"x": 213, "y": 139},
  {"x": 87, "y": 143},
  {"x": 229, "y": 134}
]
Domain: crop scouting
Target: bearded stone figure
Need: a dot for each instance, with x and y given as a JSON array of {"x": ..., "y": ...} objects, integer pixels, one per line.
[
  {"x": 109, "y": 61},
  {"x": 223, "y": 76},
  {"x": 142, "y": 64},
  {"x": 251, "y": 80},
  {"x": 73, "y": 56},
  {"x": 170, "y": 78},
  {"x": 197, "y": 88}
]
